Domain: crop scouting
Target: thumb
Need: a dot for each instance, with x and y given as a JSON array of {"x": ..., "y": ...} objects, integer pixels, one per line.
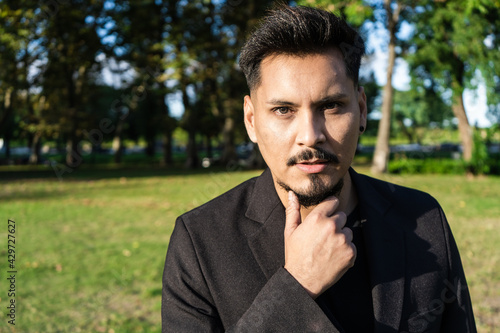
[{"x": 292, "y": 214}]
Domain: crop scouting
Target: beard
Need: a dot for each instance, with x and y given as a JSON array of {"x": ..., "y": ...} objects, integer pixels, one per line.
[{"x": 317, "y": 191}]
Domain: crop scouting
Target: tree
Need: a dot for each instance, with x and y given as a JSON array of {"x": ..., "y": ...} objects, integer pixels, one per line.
[
  {"x": 18, "y": 51},
  {"x": 71, "y": 44},
  {"x": 449, "y": 45},
  {"x": 139, "y": 28},
  {"x": 416, "y": 109},
  {"x": 393, "y": 11}
]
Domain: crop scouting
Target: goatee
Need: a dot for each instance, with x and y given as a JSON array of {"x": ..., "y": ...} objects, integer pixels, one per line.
[{"x": 316, "y": 193}]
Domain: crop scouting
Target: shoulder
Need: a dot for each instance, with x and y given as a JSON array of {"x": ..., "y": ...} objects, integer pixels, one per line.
[
  {"x": 235, "y": 198},
  {"x": 401, "y": 197},
  {"x": 223, "y": 216}
]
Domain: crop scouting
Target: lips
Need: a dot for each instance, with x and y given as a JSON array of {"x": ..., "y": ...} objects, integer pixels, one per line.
[{"x": 312, "y": 166}]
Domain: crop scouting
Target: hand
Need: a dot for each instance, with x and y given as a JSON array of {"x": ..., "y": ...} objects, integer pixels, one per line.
[{"x": 318, "y": 250}]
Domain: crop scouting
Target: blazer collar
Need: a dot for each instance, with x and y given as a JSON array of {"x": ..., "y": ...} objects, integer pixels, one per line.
[
  {"x": 264, "y": 198},
  {"x": 385, "y": 248},
  {"x": 267, "y": 242}
]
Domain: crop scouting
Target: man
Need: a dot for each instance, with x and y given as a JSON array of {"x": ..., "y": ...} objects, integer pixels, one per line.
[{"x": 310, "y": 245}]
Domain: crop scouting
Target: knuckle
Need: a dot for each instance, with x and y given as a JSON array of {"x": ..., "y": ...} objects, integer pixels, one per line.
[
  {"x": 314, "y": 216},
  {"x": 340, "y": 219},
  {"x": 353, "y": 251},
  {"x": 329, "y": 229},
  {"x": 342, "y": 216}
]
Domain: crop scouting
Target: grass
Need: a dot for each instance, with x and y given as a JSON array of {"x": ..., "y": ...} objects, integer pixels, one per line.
[{"x": 90, "y": 249}]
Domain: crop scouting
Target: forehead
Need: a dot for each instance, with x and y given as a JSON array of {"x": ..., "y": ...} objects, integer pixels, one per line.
[{"x": 310, "y": 74}]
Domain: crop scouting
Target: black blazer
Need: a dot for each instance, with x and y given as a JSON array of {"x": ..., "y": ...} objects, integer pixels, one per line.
[{"x": 224, "y": 266}]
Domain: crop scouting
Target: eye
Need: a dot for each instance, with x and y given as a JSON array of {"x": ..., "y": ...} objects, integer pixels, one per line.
[
  {"x": 331, "y": 106},
  {"x": 282, "y": 110}
]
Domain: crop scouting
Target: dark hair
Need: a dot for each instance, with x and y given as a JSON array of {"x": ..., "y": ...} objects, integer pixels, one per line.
[{"x": 300, "y": 31}]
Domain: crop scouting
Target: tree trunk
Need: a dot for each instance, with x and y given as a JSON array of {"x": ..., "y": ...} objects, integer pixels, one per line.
[
  {"x": 150, "y": 147},
  {"x": 118, "y": 141},
  {"x": 382, "y": 150},
  {"x": 464, "y": 128},
  {"x": 73, "y": 157},
  {"x": 229, "y": 149},
  {"x": 209, "y": 146},
  {"x": 150, "y": 134},
  {"x": 167, "y": 132},
  {"x": 6, "y": 120},
  {"x": 167, "y": 149},
  {"x": 192, "y": 160},
  {"x": 6, "y": 144},
  {"x": 458, "y": 109},
  {"x": 36, "y": 144}
]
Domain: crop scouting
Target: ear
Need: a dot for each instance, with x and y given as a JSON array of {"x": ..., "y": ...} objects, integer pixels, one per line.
[
  {"x": 363, "y": 111},
  {"x": 249, "y": 117}
]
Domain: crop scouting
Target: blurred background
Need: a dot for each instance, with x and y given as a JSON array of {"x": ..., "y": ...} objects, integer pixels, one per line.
[{"x": 118, "y": 116}]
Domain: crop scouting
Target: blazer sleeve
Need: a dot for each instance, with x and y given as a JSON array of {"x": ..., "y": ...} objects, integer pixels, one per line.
[
  {"x": 282, "y": 305},
  {"x": 458, "y": 315}
]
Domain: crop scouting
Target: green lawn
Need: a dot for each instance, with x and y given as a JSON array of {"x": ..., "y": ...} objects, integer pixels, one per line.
[{"x": 90, "y": 249}]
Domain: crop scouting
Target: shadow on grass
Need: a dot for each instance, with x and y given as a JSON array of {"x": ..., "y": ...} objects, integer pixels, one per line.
[
  {"x": 35, "y": 195},
  {"x": 104, "y": 172}
]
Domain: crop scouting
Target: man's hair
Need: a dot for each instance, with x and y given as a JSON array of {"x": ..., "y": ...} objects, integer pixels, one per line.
[{"x": 300, "y": 31}]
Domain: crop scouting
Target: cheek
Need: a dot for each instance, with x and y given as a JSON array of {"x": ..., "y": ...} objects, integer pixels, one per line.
[
  {"x": 343, "y": 134},
  {"x": 269, "y": 132},
  {"x": 273, "y": 141}
]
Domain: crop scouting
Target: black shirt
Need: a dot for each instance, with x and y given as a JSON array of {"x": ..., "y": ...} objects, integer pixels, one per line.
[{"x": 348, "y": 303}]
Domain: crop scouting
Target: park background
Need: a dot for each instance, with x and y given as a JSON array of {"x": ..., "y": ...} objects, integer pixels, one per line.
[{"x": 118, "y": 116}]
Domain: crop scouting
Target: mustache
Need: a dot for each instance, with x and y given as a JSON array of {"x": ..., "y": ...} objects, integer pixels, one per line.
[{"x": 314, "y": 153}]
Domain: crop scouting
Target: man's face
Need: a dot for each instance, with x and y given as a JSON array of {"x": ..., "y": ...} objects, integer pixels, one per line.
[{"x": 305, "y": 116}]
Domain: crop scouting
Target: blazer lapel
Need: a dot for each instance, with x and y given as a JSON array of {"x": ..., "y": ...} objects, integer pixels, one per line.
[
  {"x": 265, "y": 208},
  {"x": 385, "y": 248}
]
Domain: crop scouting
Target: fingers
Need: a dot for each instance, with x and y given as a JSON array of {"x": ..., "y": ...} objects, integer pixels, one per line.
[
  {"x": 340, "y": 219},
  {"x": 348, "y": 234},
  {"x": 292, "y": 214},
  {"x": 328, "y": 206}
]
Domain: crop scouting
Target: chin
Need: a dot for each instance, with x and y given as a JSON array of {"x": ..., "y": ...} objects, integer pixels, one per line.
[{"x": 315, "y": 191}]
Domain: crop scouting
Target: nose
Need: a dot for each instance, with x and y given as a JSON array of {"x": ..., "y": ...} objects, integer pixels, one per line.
[{"x": 310, "y": 129}]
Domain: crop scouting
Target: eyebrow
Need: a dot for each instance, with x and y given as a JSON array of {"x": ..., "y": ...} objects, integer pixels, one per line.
[
  {"x": 327, "y": 99},
  {"x": 279, "y": 102}
]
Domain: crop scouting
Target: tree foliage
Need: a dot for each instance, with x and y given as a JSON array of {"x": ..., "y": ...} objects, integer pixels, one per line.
[{"x": 454, "y": 42}]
